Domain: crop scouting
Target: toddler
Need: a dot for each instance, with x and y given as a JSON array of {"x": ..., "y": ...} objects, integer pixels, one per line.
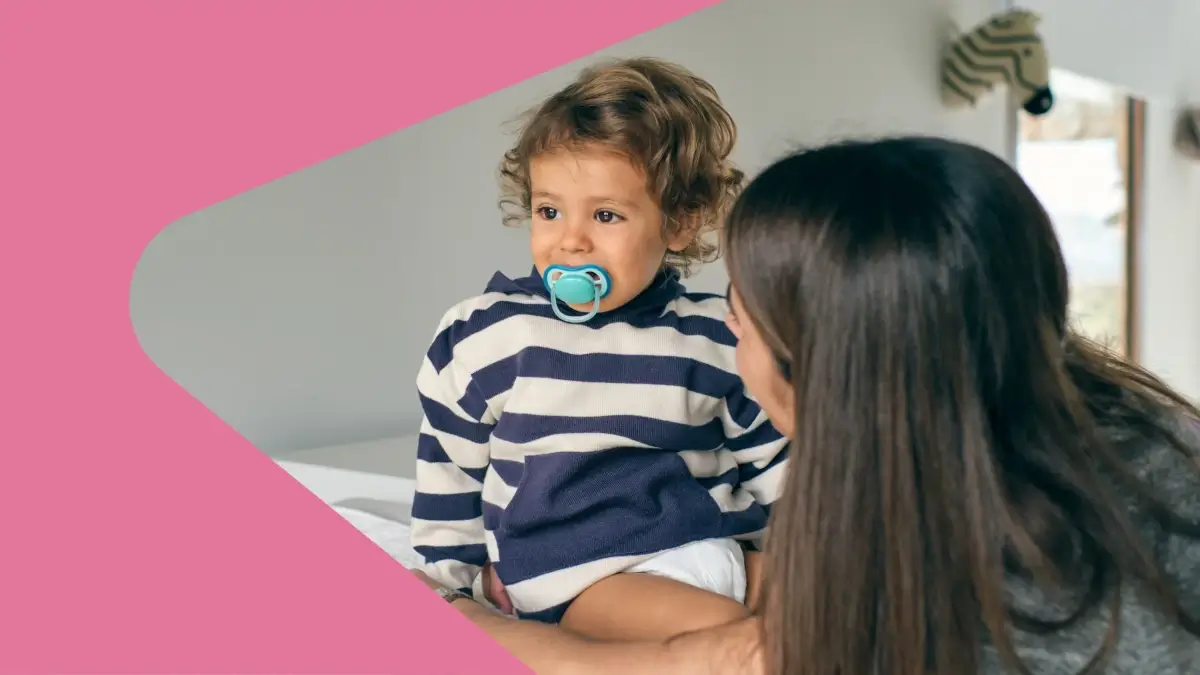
[{"x": 585, "y": 428}]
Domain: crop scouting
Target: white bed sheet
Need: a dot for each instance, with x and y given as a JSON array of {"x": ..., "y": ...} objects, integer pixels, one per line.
[
  {"x": 389, "y": 535},
  {"x": 368, "y": 484},
  {"x": 336, "y": 484}
]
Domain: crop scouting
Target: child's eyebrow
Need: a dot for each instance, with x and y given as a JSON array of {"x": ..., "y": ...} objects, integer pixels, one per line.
[
  {"x": 593, "y": 200},
  {"x": 605, "y": 200}
]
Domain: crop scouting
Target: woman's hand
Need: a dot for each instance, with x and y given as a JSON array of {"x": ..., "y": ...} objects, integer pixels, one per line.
[
  {"x": 424, "y": 578},
  {"x": 493, "y": 588}
]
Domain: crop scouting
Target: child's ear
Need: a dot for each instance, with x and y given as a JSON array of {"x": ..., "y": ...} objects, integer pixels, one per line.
[{"x": 684, "y": 232}]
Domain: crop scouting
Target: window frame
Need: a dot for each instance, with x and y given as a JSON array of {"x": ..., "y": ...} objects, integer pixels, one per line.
[{"x": 1134, "y": 130}]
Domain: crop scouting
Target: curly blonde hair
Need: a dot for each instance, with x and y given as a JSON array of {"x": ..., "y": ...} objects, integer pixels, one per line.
[{"x": 666, "y": 120}]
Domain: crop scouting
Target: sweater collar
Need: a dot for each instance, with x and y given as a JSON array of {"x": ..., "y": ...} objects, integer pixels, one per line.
[{"x": 664, "y": 288}]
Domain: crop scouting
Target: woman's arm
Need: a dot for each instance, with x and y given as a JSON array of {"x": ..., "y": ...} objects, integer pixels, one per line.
[{"x": 550, "y": 650}]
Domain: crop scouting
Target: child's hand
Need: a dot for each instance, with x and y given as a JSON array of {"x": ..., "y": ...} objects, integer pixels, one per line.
[{"x": 493, "y": 590}]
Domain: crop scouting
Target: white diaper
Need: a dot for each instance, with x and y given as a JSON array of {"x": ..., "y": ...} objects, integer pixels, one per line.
[{"x": 715, "y": 565}]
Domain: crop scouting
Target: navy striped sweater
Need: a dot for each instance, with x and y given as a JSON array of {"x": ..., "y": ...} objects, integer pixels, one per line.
[{"x": 565, "y": 453}]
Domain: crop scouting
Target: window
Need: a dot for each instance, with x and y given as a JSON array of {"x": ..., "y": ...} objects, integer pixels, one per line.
[{"x": 1084, "y": 161}]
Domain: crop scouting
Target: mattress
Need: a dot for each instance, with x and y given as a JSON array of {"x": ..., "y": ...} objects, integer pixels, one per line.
[
  {"x": 389, "y": 535},
  {"x": 369, "y": 484},
  {"x": 381, "y": 469}
]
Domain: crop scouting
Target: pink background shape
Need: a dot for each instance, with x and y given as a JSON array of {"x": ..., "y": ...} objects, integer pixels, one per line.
[{"x": 140, "y": 533}]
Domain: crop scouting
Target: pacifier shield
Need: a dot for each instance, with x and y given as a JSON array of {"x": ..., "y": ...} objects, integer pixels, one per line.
[
  {"x": 575, "y": 290},
  {"x": 576, "y": 286}
]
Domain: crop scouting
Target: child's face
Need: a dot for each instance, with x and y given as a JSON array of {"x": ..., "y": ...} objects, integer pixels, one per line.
[{"x": 593, "y": 206}]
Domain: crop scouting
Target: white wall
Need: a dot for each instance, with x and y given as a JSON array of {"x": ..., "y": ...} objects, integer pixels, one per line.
[
  {"x": 299, "y": 312},
  {"x": 1186, "y": 50},
  {"x": 1170, "y": 241},
  {"x": 1150, "y": 48},
  {"x": 1117, "y": 41}
]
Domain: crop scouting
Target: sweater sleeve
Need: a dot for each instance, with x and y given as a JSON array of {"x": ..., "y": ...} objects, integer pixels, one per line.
[
  {"x": 760, "y": 452},
  {"x": 452, "y": 458}
]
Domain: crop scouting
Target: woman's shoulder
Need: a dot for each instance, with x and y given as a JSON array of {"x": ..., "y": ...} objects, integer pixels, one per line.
[
  {"x": 1148, "y": 639},
  {"x": 1172, "y": 472}
]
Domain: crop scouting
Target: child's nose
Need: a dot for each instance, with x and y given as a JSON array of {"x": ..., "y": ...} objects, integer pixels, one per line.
[{"x": 575, "y": 238}]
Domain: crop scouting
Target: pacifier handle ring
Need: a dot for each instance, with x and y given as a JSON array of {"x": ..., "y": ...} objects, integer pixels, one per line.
[{"x": 573, "y": 319}]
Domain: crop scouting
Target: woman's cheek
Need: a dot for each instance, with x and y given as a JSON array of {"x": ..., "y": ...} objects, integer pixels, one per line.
[{"x": 747, "y": 371}]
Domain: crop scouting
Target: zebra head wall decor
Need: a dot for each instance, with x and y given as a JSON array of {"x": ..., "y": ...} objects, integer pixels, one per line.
[
  {"x": 1006, "y": 49},
  {"x": 1187, "y": 133}
]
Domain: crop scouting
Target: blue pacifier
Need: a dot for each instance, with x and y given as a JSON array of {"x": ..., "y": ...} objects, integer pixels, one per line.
[{"x": 576, "y": 286}]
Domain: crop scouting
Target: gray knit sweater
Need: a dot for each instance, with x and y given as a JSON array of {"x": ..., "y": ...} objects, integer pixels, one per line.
[{"x": 1147, "y": 643}]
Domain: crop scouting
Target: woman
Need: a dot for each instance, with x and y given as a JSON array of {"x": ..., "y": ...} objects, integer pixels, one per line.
[{"x": 973, "y": 487}]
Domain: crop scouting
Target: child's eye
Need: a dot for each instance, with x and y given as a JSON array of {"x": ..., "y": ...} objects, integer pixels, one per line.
[
  {"x": 607, "y": 216},
  {"x": 548, "y": 213}
]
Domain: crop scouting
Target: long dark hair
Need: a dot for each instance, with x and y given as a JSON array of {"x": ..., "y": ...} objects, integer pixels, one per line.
[{"x": 952, "y": 433}]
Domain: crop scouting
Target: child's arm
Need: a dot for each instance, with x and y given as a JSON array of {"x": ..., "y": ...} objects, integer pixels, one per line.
[{"x": 452, "y": 458}]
